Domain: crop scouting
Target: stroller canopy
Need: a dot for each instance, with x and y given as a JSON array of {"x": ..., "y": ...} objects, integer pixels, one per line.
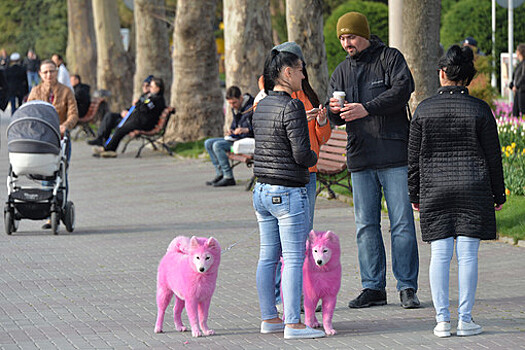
[{"x": 35, "y": 129}]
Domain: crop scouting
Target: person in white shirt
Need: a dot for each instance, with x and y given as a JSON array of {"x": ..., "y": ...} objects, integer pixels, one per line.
[{"x": 63, "y": 73}]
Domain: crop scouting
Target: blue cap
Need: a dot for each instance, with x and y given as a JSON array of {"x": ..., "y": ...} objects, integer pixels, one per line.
[
  {"x": 470, "y": 41},
  {"x": 148, "y": 79}
]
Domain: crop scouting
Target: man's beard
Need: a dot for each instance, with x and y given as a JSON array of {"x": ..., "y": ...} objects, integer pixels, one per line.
[{"x": 353, "y": 53}]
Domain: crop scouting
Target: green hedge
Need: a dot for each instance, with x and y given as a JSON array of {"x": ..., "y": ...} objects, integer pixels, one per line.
[{"x": 377, "y": 15}]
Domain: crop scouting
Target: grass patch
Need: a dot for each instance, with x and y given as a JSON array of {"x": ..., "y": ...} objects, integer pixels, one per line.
[
  {"x": 511, "y": 219},
  {"x": 191, "y": 149}
]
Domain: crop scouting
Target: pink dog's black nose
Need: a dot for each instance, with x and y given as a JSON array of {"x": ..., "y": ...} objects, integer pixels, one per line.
[
  {"x": 319, "y": 262},
  {"x": 201, "y": 269}
]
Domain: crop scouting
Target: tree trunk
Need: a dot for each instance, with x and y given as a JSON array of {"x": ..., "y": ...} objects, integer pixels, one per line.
[
  {"x": 81, "y": 51},
  {"x": 304, "y": 20},
  {"x": 114, "y": 68},
  {"x": 195, "y": 92},
  {"x": 395, "y": 24},
  {"x": 421, "y": 45},
  {"x": 152, "y": 45},
  {"x": 247, "y": 39}
]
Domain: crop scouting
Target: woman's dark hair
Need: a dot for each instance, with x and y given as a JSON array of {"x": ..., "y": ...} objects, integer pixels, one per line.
[
  {"x": 458, "y": 64},
  {"x": 275, "y": 62},
  {"x": 233, "y": 92},
  {"x": 160, "y": 83},
  {"x": 308, "y": 90}
]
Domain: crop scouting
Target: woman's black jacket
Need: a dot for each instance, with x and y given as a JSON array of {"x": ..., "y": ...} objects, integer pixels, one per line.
[
  {"x": 282, "y": 144},
  {"x": 454, "y": 166}
]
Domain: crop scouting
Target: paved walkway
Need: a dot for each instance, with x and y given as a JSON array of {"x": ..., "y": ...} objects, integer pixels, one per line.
[{"x": 95, "y": 288}]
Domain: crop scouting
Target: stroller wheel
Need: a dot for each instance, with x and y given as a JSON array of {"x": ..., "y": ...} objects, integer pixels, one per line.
[
  {"x": 69, "y": 216},
  {"x": 9, "y": 222},
  {"x": 55, "y": 221}
]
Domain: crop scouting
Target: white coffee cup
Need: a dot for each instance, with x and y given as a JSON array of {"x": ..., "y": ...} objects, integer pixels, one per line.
[{"x": 340, "y": 95}]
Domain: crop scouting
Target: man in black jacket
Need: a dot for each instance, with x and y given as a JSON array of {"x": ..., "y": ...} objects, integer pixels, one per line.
[
  {"x": 81, "y": 95},
  {"x": 377, "y": 84},
  {"x": 16, "y": 82}
]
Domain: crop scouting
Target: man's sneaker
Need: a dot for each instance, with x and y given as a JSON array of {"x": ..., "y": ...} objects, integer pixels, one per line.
[
  {"x": 367, "y": 298},
  {"x": 468, "y": 328},
  {"x": 442, "y": 329},
  {"x": 214, "y": 181},
  {"x": 225, "y": 182},
  {"x": 96, "y": 142},
  {"x": 304, "y": 333},
  {"x": 409, "y": 299}
]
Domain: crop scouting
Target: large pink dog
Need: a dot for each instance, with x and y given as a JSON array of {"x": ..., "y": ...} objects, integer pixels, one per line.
[
  {"x": 188, "y": 270},
  {"x": 321, "y": 277}
]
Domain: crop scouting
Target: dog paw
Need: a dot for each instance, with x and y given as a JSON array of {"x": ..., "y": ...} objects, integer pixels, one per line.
[
  {"x": 196, "y": 333},
  {"x": 208, "y": 332},
  {"x": 158, "y": 330},
  {"x": 330, "y": 332},
  {"x": 181, "y": 328},
  {"x": 313, "y": 324}
]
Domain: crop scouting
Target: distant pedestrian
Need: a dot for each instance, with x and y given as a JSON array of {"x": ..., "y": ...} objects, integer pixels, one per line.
[
  {"x": 456, "y": 182},
  {"x": 32, "y": 65},
  {"x": 16, "y": 81},
  {"x": 4, "y": 59},
  {"x": 517, "y": 85},
  {"x": 473, "y": 44},
  {"x": 63, "y": 73},
  {"x": 82, "y": 95}
]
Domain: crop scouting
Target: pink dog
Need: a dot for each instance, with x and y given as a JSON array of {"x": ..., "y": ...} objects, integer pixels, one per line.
[
  {"x": 321, "y": 277},
  {"x": 188, "y": 270}
]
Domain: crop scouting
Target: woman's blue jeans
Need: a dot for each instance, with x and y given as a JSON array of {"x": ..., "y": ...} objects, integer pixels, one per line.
[
  {"x": 217, "y": 148},
  {"x": 282, "y": 214},
  {"x": 368, "y": 189},
  {"x": 467, "y": 255}
]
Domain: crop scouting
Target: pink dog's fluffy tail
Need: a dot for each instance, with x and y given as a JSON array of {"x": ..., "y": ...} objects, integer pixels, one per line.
[{"x": 179, "y": 244}]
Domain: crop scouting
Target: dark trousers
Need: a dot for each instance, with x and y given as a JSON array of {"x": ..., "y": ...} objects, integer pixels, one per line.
[
  {"x": 130, "y": 125},
  {"x": 107, "y": 124}
]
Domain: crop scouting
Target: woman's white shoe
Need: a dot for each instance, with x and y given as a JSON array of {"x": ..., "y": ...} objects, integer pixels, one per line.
[{"x": 442, "y": 329}]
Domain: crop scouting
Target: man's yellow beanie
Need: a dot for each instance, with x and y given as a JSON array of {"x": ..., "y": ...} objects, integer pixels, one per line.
[{"x": 353, "y": 23}]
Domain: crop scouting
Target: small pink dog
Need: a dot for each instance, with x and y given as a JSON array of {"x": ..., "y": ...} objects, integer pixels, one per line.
[
  {"x": 188, "y": 270},
  {"x": 321, "y": 277}
]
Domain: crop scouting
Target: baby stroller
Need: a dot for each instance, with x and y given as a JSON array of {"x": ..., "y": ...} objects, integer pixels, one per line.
[{"x": 37, "y": 182}]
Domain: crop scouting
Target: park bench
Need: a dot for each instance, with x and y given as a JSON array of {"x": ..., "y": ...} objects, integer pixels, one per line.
[
  {"x": 331, "y": 164},
  {"x": 153, "y": 136},
  {"x": 238, "y": 158},
  {"x": 98, "y": 106}
]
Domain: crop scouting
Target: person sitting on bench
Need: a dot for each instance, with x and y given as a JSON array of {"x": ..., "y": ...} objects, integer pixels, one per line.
[
  {"x": 241, "y": 127},
  {"x": 111, "y": 120},
  {"x": 144, "y": 117}
]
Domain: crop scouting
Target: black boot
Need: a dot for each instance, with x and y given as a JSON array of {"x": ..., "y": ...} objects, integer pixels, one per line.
[
  {"x": 214, "y": 181},
  {"x": 367, "y": 298},
  {"x": 99, "y": 141}
]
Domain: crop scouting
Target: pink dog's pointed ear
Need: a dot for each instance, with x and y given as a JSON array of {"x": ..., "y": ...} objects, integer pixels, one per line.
[
  {"x": 312, "y": 235},
  {"x": 213, "y": 243},
  {"x": 194, "y": 243},
  {"x": 331, "y": 236}
]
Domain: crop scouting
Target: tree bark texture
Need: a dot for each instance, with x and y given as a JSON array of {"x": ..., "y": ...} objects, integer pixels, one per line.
[
  {"x": 152, "y": 45},
  {"x": 114, "y": 67},
  {"x": 421, "y": 45},
  {"x": 304, "y": 20},
  {"x": 195, "y": 92},
  {"x": 247, "y": 39},
  {"x": 81, "y": 53}
]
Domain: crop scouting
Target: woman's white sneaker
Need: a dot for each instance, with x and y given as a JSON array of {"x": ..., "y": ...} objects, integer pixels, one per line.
[
  {"x": 442, "y": 329},
  {"x": 468, "y": 328}
]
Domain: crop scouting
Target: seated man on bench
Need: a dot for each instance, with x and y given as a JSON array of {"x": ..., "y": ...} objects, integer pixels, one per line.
[
  {"x": 241, "y": 127},
  {"x": 144, "y": 117}
]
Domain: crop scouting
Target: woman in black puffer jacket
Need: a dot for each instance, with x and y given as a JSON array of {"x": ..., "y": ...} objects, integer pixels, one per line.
[
  {"x": 282, "y": 158},
  {"x": 455, "y": 179}
]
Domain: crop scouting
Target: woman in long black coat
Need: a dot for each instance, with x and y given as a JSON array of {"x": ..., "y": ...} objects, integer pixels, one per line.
[{"x": 455, "y": 179}]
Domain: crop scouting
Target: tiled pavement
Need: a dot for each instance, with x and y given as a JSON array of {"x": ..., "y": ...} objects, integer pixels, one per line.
[{"x": 95, "y": 288}]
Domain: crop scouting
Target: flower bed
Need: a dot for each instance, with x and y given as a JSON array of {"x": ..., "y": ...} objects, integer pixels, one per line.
[{"x": 511, "y": 132}]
